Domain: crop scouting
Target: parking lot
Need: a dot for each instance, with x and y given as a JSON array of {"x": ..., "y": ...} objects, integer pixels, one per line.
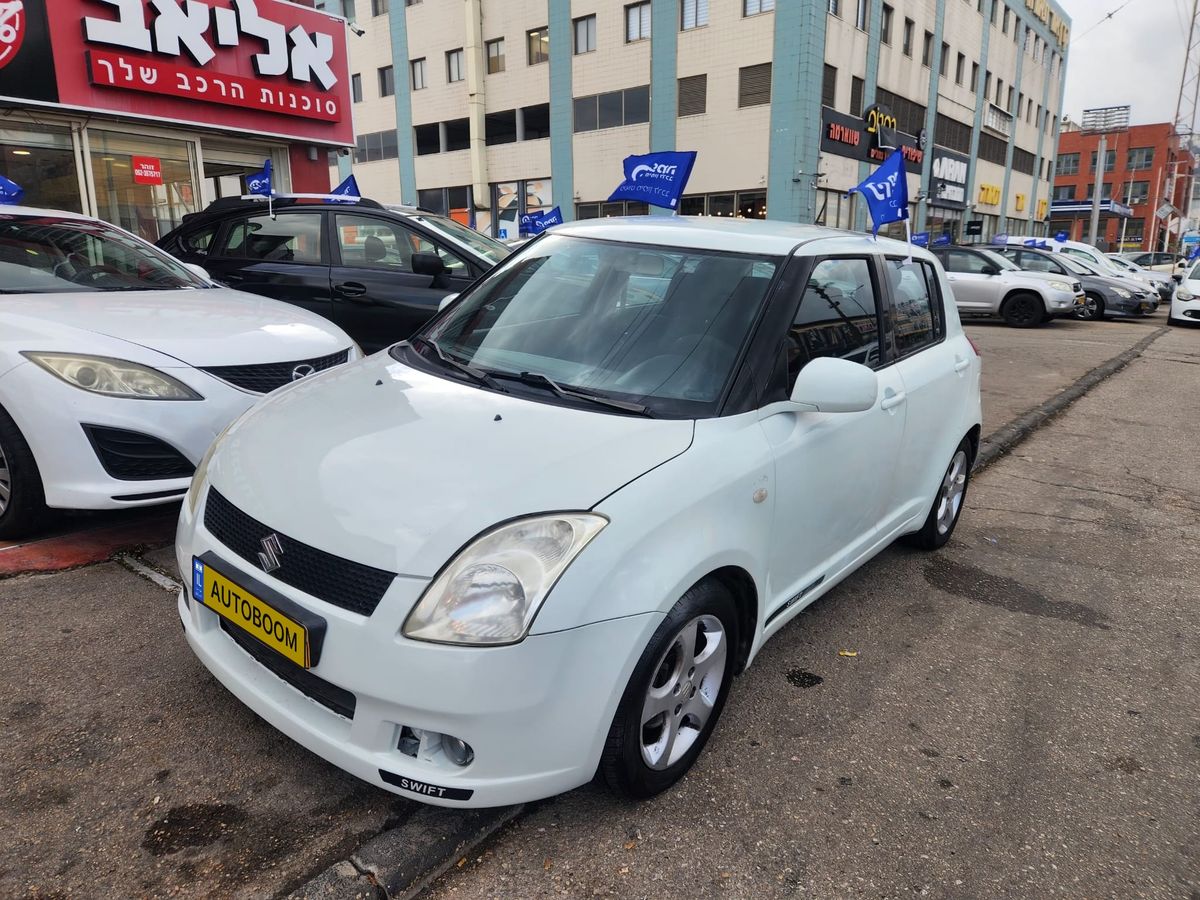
[{"x": 1019, "y": 720}]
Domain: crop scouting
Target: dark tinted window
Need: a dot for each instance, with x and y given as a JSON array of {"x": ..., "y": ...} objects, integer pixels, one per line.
[
  {"x": 919, "y": 321},
  {"x": 289, "y": 237},
  {"x": 838, "y": 316},
  {"x": 200, "y": 240}
]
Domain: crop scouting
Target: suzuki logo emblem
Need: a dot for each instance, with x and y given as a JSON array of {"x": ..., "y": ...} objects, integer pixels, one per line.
[
  {"x": 302, "y": 371},
  {"x": 271, "y": 551}
]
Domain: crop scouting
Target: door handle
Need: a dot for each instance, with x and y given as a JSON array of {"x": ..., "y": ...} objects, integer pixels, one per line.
[
  {"x": 232, "y": 277},
  {"x": 892, "y": 401},
  {"x": 351, "y": 290},
  {"x": 961, "y": 365}
]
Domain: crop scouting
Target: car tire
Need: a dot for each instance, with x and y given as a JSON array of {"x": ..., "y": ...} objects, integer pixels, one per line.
[
  {"x": 948, "y": 503},
  {"x": 1024, "y": 310},
  {"x": 668, "y": 693},
  {"x": 1092, "y": 309},
  {"x": 22, "y": 501}
]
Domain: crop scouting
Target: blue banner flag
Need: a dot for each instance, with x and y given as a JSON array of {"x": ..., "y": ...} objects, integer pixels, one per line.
[
  {"x": 656, "y": 178},
  {"x": 10, "y": 192},
  {"x": 1001, "y": 239},
  {"x": 941, "y": 240},
  {"x": 348, "y": 189},
  {"x": 1060, "y": 236},
  {"x": 1042, "y": 245},
  {"x": 536, "y": 223},
  {"x": 886, "y": 192},
  {"x": 1195, "y": 254},
  {"x": 260, "y": 182},
  {"x": 921, "y": 238}
]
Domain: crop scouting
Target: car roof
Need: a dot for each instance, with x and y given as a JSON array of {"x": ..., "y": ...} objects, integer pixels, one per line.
[{"x": 36, "y": 211}]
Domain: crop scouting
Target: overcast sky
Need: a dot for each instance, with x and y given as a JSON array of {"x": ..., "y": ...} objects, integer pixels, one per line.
[{"x": 1134, "y": 58}]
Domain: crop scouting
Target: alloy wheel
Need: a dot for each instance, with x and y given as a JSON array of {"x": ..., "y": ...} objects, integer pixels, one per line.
[
  {"x": 683, "y": 690},
  {"x": 950, "y": 497},
  {"x": 5, "y": 481},
  {"x": 1091, "y": 308}
]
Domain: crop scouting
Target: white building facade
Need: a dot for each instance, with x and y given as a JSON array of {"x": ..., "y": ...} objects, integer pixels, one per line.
[{"x": 489, "y": 109}]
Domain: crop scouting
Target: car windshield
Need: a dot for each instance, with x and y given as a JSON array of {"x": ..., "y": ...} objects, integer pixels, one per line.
[
  {"x": 1078, "y": 266},
  {"x": 1001, "y": 261},
  {"x": 652, "y": 326},
  {"x": 1122, "y": 263},
  {"x": 489, "y": 249},
  {"x": 52, "y": 254},
  {"x": 1193, "y": 273}
]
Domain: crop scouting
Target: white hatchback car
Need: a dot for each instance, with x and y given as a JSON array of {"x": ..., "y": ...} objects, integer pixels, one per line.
[
  {"x": 540, "y": 538},
  {"x": 1185, "y": 304},
  {"x": 119, "y": 365}
]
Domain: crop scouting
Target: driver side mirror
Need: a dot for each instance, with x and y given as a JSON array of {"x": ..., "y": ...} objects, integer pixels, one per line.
[
  {"x": 198, "y": 271},
  {"x": 832, "y": 385},
  {"x": 989, "y": 269},
  {"x": 1177, "y": 277},
  {"x": 428, "y": 264}
]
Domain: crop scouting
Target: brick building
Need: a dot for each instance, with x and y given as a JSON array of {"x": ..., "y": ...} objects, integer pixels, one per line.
[{"x": 1137, "y": 174}]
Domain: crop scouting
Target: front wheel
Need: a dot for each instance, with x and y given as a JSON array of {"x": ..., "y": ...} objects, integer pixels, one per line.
[
  {"x": 675, "y": 695},
  {"x": 22, "y": 501},
  {"x": 1024, "y": 311},
  {"x": 1092, "y": 309},
  {"x": 948, "y": 504}
]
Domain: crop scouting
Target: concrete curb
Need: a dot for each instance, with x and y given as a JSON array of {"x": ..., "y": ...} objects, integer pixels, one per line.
[{"x": 1012, "y": 433}]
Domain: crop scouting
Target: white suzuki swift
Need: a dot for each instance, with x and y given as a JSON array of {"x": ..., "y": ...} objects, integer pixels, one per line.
[{"x": 539, "y": 539}]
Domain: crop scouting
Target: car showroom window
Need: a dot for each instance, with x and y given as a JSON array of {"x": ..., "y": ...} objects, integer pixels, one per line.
[
  {"x": 289, "y": 237},
  {"x": 838, "y": 316},
  {"x": 372, "y": 243},
  {"x": 919, "y": 319}
]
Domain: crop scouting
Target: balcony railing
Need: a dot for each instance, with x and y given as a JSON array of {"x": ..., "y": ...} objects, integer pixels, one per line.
[{"x": 997, "y": 120}]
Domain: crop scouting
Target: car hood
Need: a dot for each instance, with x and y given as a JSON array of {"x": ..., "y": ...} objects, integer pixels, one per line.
[
  {"x": 396, "y": 468},
  {"x": 210, "y": 327},
  {"x": 1040, "y": 276},
  {"x": 1129, "y": 284}
]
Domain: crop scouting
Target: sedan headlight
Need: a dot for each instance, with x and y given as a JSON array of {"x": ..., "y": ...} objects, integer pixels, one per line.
[
  {"x": 1184, "y": 295},
  {"x": 490, "y": 593},
  {"x": 112, "y": 377},
  {"x": 1121, "y": 292},
  {"x": 1061, "y": 286}
]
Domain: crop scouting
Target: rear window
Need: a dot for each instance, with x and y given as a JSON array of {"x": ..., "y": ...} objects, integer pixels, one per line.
[
  {"x": 919, "y": 315},
  {"x": 289, "y": 237}
]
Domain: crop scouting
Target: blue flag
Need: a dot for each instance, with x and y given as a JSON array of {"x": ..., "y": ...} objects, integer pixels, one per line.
[
  {"x": 921, "y": 238},
  {"x": 10, "y": 192},
  {"x": 656, "y": 178},
  {"x": 1061, "y": 237},
  {"x": 260, "y": 182},
  {"x": 1042, "y": 245},
  {"x": 1001, "y": 238},
  {"x": 941, "y": 240},
  {"x": 1195, "y": 254},
  {"x": 348, "y": 188},
  {"x": 536, "y": 223},
  {"x": 886, "y": 192}
]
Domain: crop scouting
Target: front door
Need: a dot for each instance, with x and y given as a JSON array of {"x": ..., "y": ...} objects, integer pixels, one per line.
[
  {"x": 973, "y": 290},
  {"x": 377, "y": 297},
  {"x": 833, "y": 470}
]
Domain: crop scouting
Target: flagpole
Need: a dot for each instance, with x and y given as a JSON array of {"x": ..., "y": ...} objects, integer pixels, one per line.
[{"x": 908, "y": 237}]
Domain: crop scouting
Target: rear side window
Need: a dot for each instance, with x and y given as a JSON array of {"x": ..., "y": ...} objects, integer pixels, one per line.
[
  {"x": 200, "y": 240},
  {"x": 1033, "y": 263},
  {"x": 919, "y": 318},
  {"x": 964, "y": 261},
  {"x": 289, "y": 237},
  {"x": 838, "y": 316}
]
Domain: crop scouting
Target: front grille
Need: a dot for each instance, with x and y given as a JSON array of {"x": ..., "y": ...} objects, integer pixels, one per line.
[
  {"x": 132, "y": 456},
  {"x": 341, "y": 582},
  {"x": 340, "y": 700},
  {"x": 264, "y": 378}
]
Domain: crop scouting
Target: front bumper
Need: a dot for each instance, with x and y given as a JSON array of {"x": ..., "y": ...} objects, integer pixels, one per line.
[
  {"x": 1132, "y": 307},
  {"x": 535, "y": 713},
  {"x": 1061, "y": 303}
]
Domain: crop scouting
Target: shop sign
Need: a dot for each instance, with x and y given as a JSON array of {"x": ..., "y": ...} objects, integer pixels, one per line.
[
  {"x": 12, "y": 30},
  {"x": 147, "y": 170},
  {"x": 1051, "y": 19},
  {"x": 1041, "y": 209},
  {"x": 948, "y": 179},
  {"x": 262, "y": 66},
  {"x": 989, "y": 194},
  {"x": 974, "y": 227},
  {"x": 1020, "y": 203},
  {"x": 843, "y": 135}
]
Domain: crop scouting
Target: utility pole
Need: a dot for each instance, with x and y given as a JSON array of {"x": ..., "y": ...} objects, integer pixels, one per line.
[
  {"x": 1103, "y": 121},
  {"x": 1185, "y": 113}
]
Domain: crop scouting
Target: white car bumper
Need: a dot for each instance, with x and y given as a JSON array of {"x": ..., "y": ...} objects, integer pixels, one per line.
[
  {"x": 536, "y": 714},
  {"x": 1185, "y": 310}
]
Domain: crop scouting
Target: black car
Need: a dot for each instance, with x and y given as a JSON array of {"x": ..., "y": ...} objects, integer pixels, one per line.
[{"x": 377, "y": 271}]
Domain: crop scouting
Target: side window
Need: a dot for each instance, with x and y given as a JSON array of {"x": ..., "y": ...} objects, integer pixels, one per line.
[
  {"x": 962, "y": 261},
  {"x": 1035, "y": 263},
  {"x": 289, "y": 237},
  {"x": 918, "y": 305},
  {"x": 199, "y": 241},
  {"x": 1073, "y": 252},
  {"x": 371, "y": 243},
  {"x": 838, "y": 316}
]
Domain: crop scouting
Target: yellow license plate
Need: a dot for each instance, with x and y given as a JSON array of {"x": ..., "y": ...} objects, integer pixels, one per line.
[{"x": 237, "y": 605}]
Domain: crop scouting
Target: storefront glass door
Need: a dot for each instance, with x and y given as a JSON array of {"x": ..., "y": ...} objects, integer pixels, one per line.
[
  {"x": 144, "y": 184},
  {"x": 41, "y": 159}
]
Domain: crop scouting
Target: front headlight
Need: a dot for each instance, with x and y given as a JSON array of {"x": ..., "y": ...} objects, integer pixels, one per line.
[
  {"x": 1061, "y": 286},
  {"x": 1183, "y": 295},
  {"x": 1121, "y": 292},
  {"x": 112, "y": 377},
  {"x": 490, "y": 593}
]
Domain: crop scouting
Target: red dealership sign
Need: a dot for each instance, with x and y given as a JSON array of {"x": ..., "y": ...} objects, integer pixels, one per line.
[
  {"x": 147, "y": 170},
  {"x": 261, "y": 66}
]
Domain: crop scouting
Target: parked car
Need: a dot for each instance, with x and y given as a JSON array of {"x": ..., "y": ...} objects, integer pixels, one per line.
[
  {"x": 1077, "y": 249},
  {"x": 539, "y": 538},
  {"x": 1160, "y": 281},
  {"x": 1157, "y": 261},
  {"x": 119, "y": 365},
  {"x": 1185, "y": 305},
  {"x": 985, "y": 283},
  {"x": 378, "y": 272},
  {"x": 1103, "y": 295}
]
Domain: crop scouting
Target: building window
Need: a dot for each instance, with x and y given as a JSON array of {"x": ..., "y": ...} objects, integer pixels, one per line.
[
  {"x": 974, "y": 77},
  {"x": 1110, "y": 161},
  {"x": 585, "y": 35},
  {"x": 944, "y": 59},
  {"x": 1140, "y": 158},
  {"x": 454, "y": 66},
  {"x": 495, "y": 56},
  {"x": 829, "y": 86},
  {"x": 1007, "y": 16},
  {"x": 1139, "y": 192},
  {"x": 754, "y": 7},
  {"x": 999, "y": 90},
  {"x": 1105, "y": 191},
  {"x": 378, "y": 145},
  {"x": 835, "y": 7},
  {"x": 693, "y": 95},
  {"x": 387, "y": 82},
  {"x": 418, "y": 74},
  {"x": 960, "y": 68},
  {"x": 407, "y": 3},
  {"x": 754, "y": 85},
  {"x": 1009, "y": 107},
  {"x": 885, "y": 25},
  {"x": 909, "y": 30},
  {"x": 1068, "y": 164},
  {"x": 537, "y": 43},
  {"x": 1064, "y": 192},
  {"x": 692, "y": 14},
  {"x": 613, "y": 109},
  {"x": 356, "y": 88},
  {"x": 856, "y": 95},
  {"x": 862, "y": 15},
  {"x": 637, "y": 22},
  {"x": 379, "y": 7},
  {"x": 987, "y": 85}
]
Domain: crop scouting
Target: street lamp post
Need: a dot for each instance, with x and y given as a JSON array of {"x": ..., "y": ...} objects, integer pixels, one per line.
[{"x": 1102, "y": 121}]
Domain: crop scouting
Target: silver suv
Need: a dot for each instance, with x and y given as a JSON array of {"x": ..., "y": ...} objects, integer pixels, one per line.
[{"x": 985, "y": 283}]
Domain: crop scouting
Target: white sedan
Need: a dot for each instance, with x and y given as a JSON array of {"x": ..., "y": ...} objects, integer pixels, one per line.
[
  {"x": 540, "y": 538},
  {"x": 1185, "y": 304},
  {"x": 119, "y": 365}
]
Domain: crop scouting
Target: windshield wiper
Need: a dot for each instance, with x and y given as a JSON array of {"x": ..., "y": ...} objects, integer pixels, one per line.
[
  {"x": 476, "y": 375},
  {"x": 576, "y": 393}
]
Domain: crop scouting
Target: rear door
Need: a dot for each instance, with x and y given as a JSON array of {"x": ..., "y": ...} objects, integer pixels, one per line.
[
  {"x": 973, "y": 291},
  {"x": 284, "y": 257},
  {"x": 377, "y": 297}
]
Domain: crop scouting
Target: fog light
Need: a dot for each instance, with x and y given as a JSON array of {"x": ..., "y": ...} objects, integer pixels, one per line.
[{"x": 457, "y": 750}]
